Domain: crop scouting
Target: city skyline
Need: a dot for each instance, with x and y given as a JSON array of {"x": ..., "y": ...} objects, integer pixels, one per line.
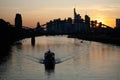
[{"x": 34, "y": 11}]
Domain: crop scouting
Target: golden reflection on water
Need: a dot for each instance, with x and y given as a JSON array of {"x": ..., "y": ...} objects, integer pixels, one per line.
[
  {"x": 90, "y": 61},
  {"x": 102, "y": 61}
]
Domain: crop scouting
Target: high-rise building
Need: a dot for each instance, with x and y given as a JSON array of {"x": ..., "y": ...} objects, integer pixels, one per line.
[
  {"x": 77, "y": 17},
  {"x": 118, "y": 23},
  {"x": 87, "y": 22},
  {"x": 18, "y": 21},
  {"x": 78, "y": 23},
  {"x": 75, "y": 14}
]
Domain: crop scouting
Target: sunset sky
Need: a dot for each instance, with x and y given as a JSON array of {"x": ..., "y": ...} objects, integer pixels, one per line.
[{"x": 42, "y": 11}]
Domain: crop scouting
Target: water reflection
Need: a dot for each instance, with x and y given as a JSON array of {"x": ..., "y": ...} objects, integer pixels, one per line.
[
  {"x": 33, "y": 41},
  {"x": 49, "y": 71},
  {"x": 81, "y": 60},
  {"x": 5, "y": 53},
  {"x": 50, "y": 74},
  {"x": 18, "y": 45}
]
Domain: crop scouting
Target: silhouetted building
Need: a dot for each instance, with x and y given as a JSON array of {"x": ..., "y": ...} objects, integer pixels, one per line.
[
  {"x": 118, "y": 23},
  {"x": 69, "y": 25},
  {"x": 75, "y": 14},
  {"x": 18, "y": 21},
  {"x": 94, "y": 24},
  {"x": 87, "y": 23},
  {"x": 77, "y": 17},
  {"x": 38, "y": 30},
  {"x": 75, "y": 26},
  {"x": 38, "y": 26},
  {"x": 78, "y": 23}
]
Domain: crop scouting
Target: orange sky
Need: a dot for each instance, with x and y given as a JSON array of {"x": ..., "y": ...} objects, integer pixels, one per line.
[{"x": 42, "y": 11}]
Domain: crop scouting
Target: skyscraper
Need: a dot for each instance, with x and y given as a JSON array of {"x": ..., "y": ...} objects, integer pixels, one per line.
[
  {"x": 78, "y": 23},
  {"x": 18, "y": 21},
  {"x": 118, "y": 23},
  {"x": 77, "y": 17},
  {"x": 75, "y": 14},
  {"x": 87, "y": 22}
]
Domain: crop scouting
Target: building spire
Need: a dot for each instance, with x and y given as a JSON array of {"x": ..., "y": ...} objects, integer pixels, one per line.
[{"x": 75, "y": 13}]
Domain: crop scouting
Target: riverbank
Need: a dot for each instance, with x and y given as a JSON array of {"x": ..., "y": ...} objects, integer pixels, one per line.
[
  {"x": 98, "y": 38},
  {"x": 8, "y": 35}
]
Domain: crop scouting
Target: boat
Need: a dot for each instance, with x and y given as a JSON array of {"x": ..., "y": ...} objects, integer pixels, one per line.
[
  {"x": 81, "y": 41},
  {"x": 49, "y": 60}
]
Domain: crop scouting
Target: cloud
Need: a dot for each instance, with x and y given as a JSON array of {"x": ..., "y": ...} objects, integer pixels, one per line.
[{"x": 110, "y": 8}]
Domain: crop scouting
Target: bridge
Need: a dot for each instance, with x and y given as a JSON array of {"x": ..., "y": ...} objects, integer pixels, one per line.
[{"x": 95, "y": 24}]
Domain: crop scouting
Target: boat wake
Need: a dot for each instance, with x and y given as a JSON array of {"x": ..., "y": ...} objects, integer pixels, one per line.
[
  {"x": 41, "y": 60},
  {"x": 83, "y": 51}
]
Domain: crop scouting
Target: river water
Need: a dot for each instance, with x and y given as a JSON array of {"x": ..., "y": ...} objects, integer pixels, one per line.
[{"x": 81, "y": 60}]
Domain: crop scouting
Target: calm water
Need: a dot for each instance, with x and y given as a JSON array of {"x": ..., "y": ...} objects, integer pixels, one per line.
[{"x": 81, "y": 60}]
